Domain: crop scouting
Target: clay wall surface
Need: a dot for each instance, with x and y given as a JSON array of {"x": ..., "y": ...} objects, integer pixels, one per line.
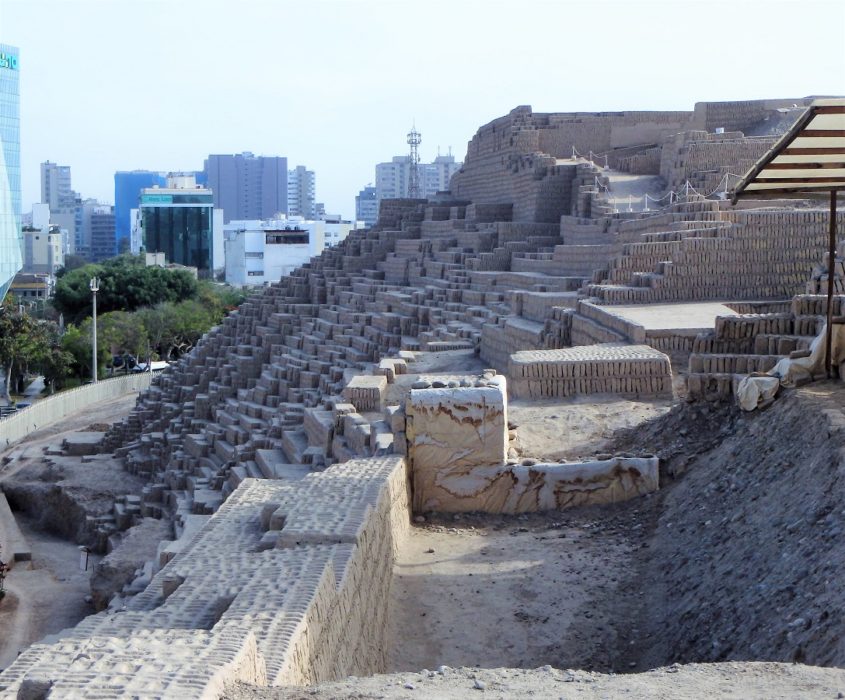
[
  {"x": 740, "y": 115},
  {"x": 742, "y": 254},
  {"x": 534, "y": 487},
  {"x": 704, "y": 159}
]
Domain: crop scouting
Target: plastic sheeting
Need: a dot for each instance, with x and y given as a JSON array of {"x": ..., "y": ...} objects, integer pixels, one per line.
[{"x": 755, "y": 390}]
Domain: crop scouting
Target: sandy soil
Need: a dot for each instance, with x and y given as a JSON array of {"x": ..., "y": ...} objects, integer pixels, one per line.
[
  {"x": 530, "y": 590},
  {"x": 48, "y": 596},
  {"x": 731, "y": 681},
  {"x": 746, "y": 554},
  {"x": 577, "y": 427},
  {"x": 515, "y": 591}
]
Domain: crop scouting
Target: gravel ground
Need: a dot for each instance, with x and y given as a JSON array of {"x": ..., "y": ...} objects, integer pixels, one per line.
[{"x": 735, "y": 681}]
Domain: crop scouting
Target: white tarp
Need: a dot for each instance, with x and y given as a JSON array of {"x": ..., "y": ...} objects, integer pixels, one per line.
[{"x": 754, "y": 390}]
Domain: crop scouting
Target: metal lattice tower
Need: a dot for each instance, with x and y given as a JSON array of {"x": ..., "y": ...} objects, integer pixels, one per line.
[{"x": 414, "y": 139}]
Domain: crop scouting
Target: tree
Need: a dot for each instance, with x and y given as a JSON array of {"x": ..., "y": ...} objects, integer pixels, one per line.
[
  {"x": 78, "y": 345},
  {"x": 52, "y": 361},
  {"x": 124, "y": 333},
  {"x": 18, "y": 343},
  {"x": 72, "y": 262},
  {"x": 126, "y": 284}
]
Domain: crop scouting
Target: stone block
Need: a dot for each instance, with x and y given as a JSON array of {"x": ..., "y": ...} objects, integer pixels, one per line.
[{"x": 463, "y": 426}]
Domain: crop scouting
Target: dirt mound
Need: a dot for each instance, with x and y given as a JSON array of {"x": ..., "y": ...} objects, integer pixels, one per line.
[
  {"x": 747, "y": 552},
  {"x": 67, "y": 496}
]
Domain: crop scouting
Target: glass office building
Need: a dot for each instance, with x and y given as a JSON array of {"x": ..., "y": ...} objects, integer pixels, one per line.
[
  {"x": 127, "y": 193},
  {"x": 179, "y": 222},
  {"x": 11, "y": 242}
]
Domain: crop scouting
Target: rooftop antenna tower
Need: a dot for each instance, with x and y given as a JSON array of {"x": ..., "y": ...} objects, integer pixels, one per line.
[{"x": 414, "y": 139}]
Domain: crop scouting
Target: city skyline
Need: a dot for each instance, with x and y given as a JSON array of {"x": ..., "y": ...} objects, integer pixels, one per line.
[{"x": 145, "y": 94}]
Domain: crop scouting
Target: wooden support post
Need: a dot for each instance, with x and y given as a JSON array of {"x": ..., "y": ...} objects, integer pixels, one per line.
[{"x": 831, "y": 269}]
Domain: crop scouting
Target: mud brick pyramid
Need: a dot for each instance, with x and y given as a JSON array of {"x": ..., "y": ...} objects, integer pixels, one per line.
[{"x": 278, "y": 431}]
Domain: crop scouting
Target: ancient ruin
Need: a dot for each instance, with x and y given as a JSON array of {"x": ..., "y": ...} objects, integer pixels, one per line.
[{"x": 577, "y": 258}]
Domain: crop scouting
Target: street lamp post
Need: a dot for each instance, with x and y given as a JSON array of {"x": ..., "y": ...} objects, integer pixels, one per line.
[{"x": 94, "y": 286}]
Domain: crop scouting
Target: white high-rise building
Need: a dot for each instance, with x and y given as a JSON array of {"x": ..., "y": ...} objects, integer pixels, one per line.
[
  {"x": 302, "y": 192},
  {"x": 44, "y": 244},
  {"x": 392, "y": 178},
  {"x": 56, "y": 189}
]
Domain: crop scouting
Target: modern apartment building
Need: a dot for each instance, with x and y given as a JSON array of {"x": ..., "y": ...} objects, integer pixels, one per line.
[
  {"x": 56, "y": 190},
  {"x": 101, "y": 223},
  {"x": 180, "y": 220},
  {"x": 247, "y": 186},
  {"x": 11, "y": 255},
  {"x": 366, "y": 206},
  {"x": 42, "y": 250},
  {"x": 392, "y": 178},
  {"x": 302, "y": 192}
]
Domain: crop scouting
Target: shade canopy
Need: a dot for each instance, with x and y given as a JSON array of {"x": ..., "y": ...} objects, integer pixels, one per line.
[{"x": 809, "y": 158}]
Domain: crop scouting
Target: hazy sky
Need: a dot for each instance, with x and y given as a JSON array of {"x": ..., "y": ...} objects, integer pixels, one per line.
[{"x": 335, "y": 84}]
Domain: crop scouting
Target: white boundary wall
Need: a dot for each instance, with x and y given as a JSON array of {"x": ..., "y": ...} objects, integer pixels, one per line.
[{"x": 54, "y": 408}]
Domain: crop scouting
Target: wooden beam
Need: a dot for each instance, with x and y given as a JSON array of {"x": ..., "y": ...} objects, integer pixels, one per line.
[
  {"x": 786, "y": 192},
  {"x": 830, "y": 110},
  {"x": 820, "y": 133},
  {"x": 809, "y": 165},
  {"x": 803, "y": 181},
  {"x": 831, "y": 261},
  {"x": 811, "y": 152}
]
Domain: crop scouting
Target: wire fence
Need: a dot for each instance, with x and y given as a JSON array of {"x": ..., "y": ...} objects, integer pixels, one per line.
[{"x": 648, "y": 202}]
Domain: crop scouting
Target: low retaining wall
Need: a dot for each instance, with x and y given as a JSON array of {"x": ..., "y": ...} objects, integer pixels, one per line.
[
  {"x": 54, "y": 408},
  {"x": 529, "y": 488},
  {"x": 13, "y": 544}
]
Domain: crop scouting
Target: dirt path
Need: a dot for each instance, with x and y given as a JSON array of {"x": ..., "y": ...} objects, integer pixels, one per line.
[
  {"x": 518, "y": 591},
  {"x": 32, "y": 447},
  {"x": 47, "y": 596}
]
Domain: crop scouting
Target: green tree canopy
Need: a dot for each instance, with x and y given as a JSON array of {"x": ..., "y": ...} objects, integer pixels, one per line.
[{"x": 126, "y": 284}]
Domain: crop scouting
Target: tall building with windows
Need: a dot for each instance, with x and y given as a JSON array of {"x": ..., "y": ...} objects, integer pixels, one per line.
[
  {"x": 180, "y": 220},
  {"x": 56, "y": 189},
  {"x": 302, "y": 192},
  {"x": 102, "y": 230},
  {"x": 11, "y": 255},
  {"x": 366, "y": 206},
  {"x": 247, "y": 186},
  {"x": 127, "y": 191},
  {"x": 65, "y": 204},
  {"x": 392, "y": 178}
]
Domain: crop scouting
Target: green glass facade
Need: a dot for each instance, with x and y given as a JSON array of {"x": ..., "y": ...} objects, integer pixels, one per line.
[
  {"x": 11, "y": 242},
  {"x": 180, "y": 226}
]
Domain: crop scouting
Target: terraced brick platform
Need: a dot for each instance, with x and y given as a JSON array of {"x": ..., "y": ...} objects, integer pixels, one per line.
[{"x": 637, "y": 370}]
